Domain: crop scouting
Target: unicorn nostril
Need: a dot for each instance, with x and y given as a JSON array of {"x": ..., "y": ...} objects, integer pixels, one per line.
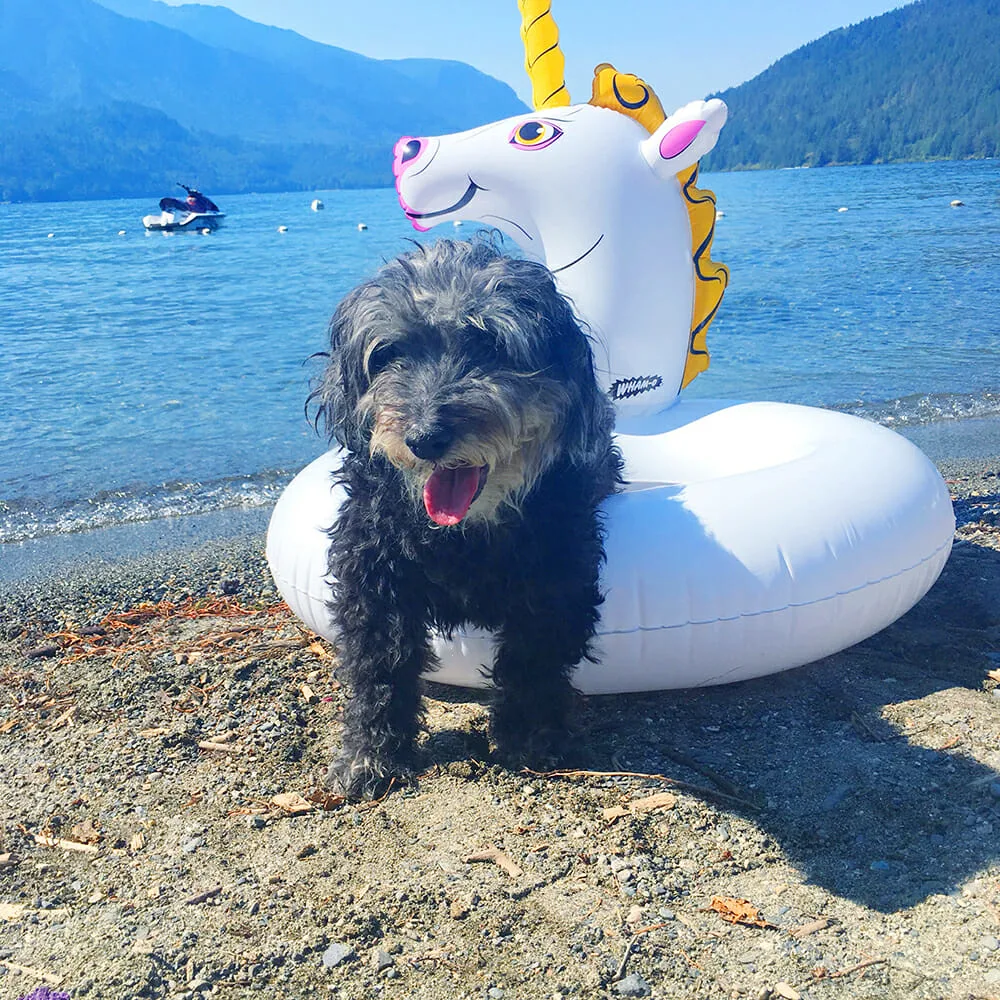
[{"x": 411, "y": 150}]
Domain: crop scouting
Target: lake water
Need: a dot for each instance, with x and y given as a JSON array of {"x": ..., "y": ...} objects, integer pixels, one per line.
[{"x": 148, "y": 376}]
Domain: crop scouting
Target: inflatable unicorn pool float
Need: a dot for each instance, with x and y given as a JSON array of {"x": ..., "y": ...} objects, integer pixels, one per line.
[{"x": 752, "y": 537}]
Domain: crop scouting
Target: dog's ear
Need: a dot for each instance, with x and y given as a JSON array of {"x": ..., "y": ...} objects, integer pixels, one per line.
[{"x": 344, "y": 382}]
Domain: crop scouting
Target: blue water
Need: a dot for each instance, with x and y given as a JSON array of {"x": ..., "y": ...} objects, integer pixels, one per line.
[{"x": 143, "y": 376}]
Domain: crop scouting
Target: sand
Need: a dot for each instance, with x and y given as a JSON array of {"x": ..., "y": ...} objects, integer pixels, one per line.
[{"x": 163, "y": 833}]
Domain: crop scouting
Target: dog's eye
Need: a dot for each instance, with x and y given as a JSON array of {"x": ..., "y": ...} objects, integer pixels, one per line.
[
  {"x": 381, "y": 357},
  {"x": 535, "y": 134}
]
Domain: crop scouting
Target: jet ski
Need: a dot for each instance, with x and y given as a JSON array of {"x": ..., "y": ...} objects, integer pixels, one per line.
[{"x": 196, "y": 212}]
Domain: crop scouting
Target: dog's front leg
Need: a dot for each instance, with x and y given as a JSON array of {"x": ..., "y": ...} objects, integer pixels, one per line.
[
  {"x": 536, "y": 653},
  {"x": 382, "y": 649}
]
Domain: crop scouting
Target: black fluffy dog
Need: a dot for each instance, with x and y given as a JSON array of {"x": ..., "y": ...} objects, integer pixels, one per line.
[{"x": 478, "y": 449}]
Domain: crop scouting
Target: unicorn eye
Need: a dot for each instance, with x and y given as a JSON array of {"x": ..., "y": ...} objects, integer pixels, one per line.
[{"x": 535, "y": 134}]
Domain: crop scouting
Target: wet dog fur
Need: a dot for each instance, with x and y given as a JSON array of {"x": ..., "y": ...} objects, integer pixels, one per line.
[{"x": 458, "y": 372}]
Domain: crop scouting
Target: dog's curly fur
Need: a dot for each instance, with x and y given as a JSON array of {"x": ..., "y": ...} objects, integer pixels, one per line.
[{"x": 451, "y": 356}]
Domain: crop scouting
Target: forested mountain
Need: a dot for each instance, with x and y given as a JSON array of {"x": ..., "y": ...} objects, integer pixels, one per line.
[
  {"x": 921, "y": 82},
  {"x": 97, "y": 104}
]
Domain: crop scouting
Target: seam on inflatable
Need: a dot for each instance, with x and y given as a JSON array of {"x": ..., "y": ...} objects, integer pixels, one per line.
[{"x": 774, "y": 611}]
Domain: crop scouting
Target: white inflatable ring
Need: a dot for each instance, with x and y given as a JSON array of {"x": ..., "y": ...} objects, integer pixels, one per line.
[{"x": 753, "y": 537}]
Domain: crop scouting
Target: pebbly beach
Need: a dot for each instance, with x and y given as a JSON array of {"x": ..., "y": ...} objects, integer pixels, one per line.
[{"x": 165, "y": 724}]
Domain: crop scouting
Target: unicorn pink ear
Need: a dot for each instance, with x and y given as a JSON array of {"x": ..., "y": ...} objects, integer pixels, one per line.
[
  {"x": 685, "y": 137},
  {"x": 679, "y": 138}
]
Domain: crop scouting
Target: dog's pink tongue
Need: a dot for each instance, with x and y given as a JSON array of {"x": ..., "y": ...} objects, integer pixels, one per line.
[{"x": 449, "y": 493}]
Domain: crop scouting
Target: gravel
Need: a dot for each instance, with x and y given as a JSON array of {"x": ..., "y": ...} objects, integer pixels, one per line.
[{"x": 862, "y": 829}]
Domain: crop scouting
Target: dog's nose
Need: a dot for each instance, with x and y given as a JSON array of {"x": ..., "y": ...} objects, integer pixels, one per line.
[{"x": 428, "y": 443}]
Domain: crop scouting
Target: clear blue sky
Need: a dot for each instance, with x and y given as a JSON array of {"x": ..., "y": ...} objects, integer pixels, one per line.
[{"x": 684, "y": 50}]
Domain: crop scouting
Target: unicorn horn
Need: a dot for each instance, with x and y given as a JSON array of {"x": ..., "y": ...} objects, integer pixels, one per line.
[{"x": 543, "y": 59}]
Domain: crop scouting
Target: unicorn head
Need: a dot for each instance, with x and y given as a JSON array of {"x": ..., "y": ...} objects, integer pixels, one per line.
[{"x": 603, "y": 194}]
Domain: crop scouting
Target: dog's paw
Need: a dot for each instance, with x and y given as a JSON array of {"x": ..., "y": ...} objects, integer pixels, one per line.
[
  {"x": 364, "y": 777},
  {"x": 540, "y": 749}
]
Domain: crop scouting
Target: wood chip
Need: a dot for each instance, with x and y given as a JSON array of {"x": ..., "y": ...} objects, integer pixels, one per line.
[
  {"x": 7, "y": 861},
  {"x": 219, "y": 747},
  {"x": 806, "y": 929},
  {"x": 637, "y": 807},
  {"x": 85, "y": 832},
  {"x": 136, "y": 842},
  {"x": 308, "y": 695},
  {"x": 319, "y": 650},
  {"x": 786, "y": 991},
  {"x": 738, "y": 911},
  {"x": 662, "y": 800},
  {"x": 12, "y": 911},
  {"x": 66, "y": 718},
  {"x": 6, "y": 727},
  {"x": 497, "y": 857},
  {"x": 292, "y": 803},
  {"x": 148, "y": 734},
  {"x": 993, "y": 674},
  {"x": 66, "y": 845}
]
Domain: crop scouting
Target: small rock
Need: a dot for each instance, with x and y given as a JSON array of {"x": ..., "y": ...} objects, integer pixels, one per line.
[
  {"x": 380, "y": 959},
  {"x": 632, "y": 986},
  {"x": 995, "y": 785},
  {"x": 191, "y": 845},
  {"x": 336, "y": 954},
  {"x": 42, "y": 652},
  {"x": 495, "y": 993},
  {"x": 989, "y": 943},
  {"x": 634, "y": 915},
  {"x": 458, "y": 910}
]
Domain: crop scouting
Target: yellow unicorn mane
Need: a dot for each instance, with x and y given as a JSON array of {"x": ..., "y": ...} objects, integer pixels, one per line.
[{"x": 629, "y": 95}]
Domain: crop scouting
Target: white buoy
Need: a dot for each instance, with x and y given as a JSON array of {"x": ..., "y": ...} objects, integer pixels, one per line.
[
  {"x": 457, "y": 223},
  {"x": 282, "y": 229},
  {"x": 317, "y": 205},
  {"x": 719, "y": 214},
  {"x": 121, "y": 232},
  {"x": 362, "y": 226},
  {"x": 206, "y": 231},
  {"x": 49, "y": 237},
  {"x": 957, "y": 204},
  {"x": 841, "y": 209}
]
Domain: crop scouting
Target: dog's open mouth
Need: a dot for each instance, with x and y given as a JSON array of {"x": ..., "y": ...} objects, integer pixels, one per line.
[{"x": 449, "y": 493}]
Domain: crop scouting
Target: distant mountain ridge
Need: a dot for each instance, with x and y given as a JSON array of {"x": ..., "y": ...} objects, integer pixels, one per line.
[
  {"x": 921, "y": 82},
  {"x": 121, "y": 98}
]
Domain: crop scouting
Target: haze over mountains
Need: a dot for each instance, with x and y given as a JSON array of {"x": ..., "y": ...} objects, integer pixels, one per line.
[
  {"x": 97, "y": 104},
  {"x": 123, "y": 97}
]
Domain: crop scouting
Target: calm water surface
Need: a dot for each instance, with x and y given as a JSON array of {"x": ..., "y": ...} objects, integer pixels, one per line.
[{"x": 143, "y": 376}]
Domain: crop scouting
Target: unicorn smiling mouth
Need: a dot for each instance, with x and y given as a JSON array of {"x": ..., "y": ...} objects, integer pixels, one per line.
[{"x": 470, "y": 193}]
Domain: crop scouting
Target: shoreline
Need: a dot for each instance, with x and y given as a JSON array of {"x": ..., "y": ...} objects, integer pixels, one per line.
[{"x": 966, "y": 450}]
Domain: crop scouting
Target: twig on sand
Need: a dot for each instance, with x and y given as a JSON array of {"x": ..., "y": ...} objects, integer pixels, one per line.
[
  {"x": 66, "y": 845},
  {"x": 857, "y": 968},
  {"x": 703, "y": 769},
  {"x": 501, "y": 860},
  {"x": 203, "y": 897},
  {"x": 631, "y": 944},
  {"x": 26, "y": 970},
  {"x": 708, "y": 793}
]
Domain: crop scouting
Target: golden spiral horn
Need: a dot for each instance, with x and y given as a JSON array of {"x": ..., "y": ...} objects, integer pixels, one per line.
[{"x": 543, "y": 59}]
